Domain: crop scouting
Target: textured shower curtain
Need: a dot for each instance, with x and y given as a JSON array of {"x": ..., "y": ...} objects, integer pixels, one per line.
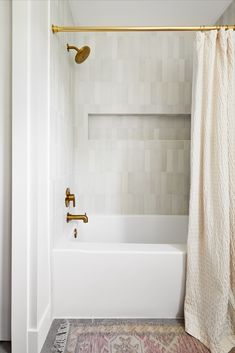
[{"x": 210, "y": 284}]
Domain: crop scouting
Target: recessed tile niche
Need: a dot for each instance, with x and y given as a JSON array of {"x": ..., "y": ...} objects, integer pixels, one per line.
[{"x": 138, "y": 164}]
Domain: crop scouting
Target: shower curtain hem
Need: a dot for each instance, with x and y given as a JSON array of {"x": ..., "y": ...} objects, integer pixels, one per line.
[{"x": 227, "y": 342}]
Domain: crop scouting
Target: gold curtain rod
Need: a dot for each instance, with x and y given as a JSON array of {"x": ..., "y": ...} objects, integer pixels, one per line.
[{"x": 57, "y": 29}]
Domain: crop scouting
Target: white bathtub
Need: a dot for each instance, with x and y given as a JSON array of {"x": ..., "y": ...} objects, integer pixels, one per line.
[{"x": 121, "y": 267}]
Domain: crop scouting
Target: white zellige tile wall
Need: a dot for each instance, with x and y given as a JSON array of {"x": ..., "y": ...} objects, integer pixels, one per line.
[
  {"x": 62, "y": 117},
  {"x": 132, "y": 106}
]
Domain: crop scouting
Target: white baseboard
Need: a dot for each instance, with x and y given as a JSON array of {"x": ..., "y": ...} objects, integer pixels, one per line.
[{"x": 36, "y": 337}]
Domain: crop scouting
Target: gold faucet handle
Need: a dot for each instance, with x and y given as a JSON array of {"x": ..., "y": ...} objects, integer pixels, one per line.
[{"x": 69, "y": 198}]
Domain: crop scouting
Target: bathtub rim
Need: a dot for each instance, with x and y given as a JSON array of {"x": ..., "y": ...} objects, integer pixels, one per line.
[{"x": 91, "y": 247}]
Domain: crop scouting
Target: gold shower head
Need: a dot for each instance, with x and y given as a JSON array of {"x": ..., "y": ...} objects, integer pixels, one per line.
[{"x": 82, "y": 53}]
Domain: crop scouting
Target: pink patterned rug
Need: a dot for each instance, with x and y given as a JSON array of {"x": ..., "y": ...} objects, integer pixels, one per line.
[{"x": 125, "y": 336}]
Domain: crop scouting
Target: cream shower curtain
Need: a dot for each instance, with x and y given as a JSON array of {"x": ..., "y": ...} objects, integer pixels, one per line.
[{"x": 210, "y": 284}]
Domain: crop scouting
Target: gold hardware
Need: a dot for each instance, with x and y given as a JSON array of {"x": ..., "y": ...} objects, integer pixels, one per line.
[
  {"x": 69, "y": 198},
  {"x": 56, "y": 29},
  {"x": 82, "y": 53},
  {"x": 75, "y": 217}
]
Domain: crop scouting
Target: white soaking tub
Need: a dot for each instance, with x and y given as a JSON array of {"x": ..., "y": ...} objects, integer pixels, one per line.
[{"x": 121, "y": 267}]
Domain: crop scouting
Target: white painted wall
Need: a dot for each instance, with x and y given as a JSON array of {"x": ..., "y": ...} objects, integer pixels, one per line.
[
  {"x": 31, "y": 189},
  {"x": 5, "y": 168},
  {"x": 42, "y": 110},
  {"x": 40, "y": 187}
]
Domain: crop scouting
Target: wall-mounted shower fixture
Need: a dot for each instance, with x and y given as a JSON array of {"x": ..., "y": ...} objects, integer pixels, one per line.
[
  {"x": 73, "y": 217},
  {"x": 82, "y": 53}
]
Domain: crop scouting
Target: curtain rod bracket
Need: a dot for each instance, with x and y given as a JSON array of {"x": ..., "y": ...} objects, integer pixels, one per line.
[{"x": 55, "y": 29}]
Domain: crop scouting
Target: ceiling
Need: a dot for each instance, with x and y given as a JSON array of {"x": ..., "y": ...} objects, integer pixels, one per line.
[{"x": 147, "y": 12}]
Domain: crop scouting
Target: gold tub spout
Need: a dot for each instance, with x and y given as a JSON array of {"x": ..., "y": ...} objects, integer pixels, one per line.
[{"x": 76, "y": 217}]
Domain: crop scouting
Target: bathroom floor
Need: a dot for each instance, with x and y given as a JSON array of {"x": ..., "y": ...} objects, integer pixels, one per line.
[
  {"x": 5, "y": 347},
  {"x": 120, "y": 336}
]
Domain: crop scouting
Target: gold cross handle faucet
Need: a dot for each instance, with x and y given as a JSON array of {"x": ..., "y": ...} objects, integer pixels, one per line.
[{"x": 69, "y": 198}]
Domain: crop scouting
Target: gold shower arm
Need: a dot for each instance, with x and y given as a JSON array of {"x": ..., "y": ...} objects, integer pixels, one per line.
[{"x": 57, "y": 29}]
